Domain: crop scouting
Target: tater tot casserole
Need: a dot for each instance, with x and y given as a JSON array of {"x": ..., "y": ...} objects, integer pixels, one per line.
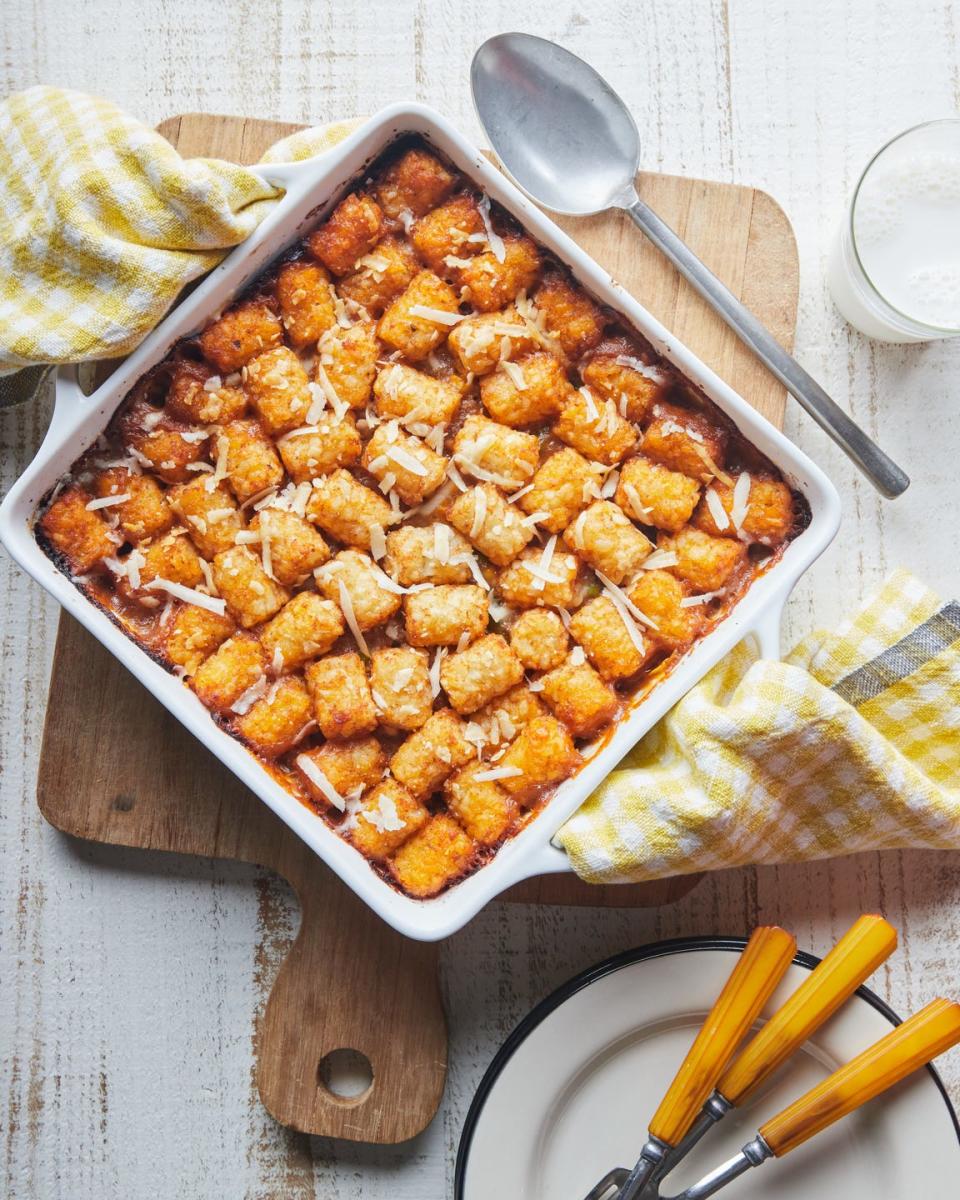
[{"x": 418, "y": 520}]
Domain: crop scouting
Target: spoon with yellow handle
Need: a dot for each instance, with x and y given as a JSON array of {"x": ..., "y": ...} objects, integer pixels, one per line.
[
  {"x": 752, "y": 982},
  {"x": 866, "y": 944},
  {"x": 911, "y": 1045}
]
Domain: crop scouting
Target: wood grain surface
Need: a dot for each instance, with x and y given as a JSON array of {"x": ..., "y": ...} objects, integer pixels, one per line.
[
  {"x": 143, "y": 781},
  {"x": 131, "y": 981}
]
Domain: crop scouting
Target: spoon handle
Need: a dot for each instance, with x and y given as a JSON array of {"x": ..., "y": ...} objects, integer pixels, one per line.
[{"x": 881, "y": 470}]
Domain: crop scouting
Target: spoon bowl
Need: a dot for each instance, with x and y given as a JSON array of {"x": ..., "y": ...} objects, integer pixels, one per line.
[
  {"x": 570, "y": 143},
  {"x": 547, "y": 113}
]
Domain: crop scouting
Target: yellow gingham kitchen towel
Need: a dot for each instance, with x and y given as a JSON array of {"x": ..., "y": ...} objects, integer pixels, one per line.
[
  {"x": 102, "y": 223},
  {"x": 851, "y": 743}
]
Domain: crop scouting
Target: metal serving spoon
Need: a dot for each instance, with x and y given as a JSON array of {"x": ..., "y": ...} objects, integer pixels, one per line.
[{"x": 569, "y": 141}]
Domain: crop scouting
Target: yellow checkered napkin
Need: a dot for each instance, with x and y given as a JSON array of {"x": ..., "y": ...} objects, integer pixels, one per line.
[
  {"x": 852, "y": 743},
  {"x": 103, "y": 223}
]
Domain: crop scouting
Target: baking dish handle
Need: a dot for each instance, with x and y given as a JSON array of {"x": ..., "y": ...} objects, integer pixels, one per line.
[
  {"x": 70, "y": 403},
  {"x": 767, "y": 631}
]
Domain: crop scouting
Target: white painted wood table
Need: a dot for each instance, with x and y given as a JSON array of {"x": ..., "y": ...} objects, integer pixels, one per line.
[{"x": 129, "y": 982}]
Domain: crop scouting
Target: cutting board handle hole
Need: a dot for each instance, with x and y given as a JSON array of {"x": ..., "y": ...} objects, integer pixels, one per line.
[{"x": 346, "y": 1075}]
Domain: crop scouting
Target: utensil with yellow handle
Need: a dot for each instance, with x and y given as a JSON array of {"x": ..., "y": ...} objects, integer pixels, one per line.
[
  {"x": 865, "y": 945},
  {"x": 753, "y": 980},
  {"x": 911, "y": 1045}
]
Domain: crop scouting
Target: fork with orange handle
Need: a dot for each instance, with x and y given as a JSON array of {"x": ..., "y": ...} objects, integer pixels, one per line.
[{"x": 711, "y": 1082}]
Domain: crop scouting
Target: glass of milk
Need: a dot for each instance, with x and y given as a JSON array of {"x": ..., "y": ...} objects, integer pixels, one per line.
[{"x": 894, "y": 269}]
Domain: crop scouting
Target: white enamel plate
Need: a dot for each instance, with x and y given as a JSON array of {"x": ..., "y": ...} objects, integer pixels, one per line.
[{"x": 572, "y": 1090}]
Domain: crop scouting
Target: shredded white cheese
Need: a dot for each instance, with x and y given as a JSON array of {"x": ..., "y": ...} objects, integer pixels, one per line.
[
  {"x": 246, "y": 700},
  {"x": 615, "y": 592},
  {"x": 350, "y": 616},
  {"x": 435, "y": 671},
  {"x": 436, "y": 315},
  {"x": 703, "y": 598},
  {"x": 660, "y": 559},
  {"x": 497, "y": 773},
  {"x": 405, "y": 459},
  {"x": 109, "y": 501},
  {"x": 741, "y": 501},
  {"x": 717, "y": 511},
  {"x": 516, "y": 374},
  {"x": 494, "y": 241},
  {"x": 190, "y": 595},
  {"x": 320, "y": 781},
  {"x": 654, "y": 374}
]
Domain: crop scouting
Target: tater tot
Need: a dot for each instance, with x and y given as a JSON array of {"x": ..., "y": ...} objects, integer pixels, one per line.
[
  {"x": 563, "y": 486},
  {"x": 277, "y": 385},
  {"x": 416, "y": 182},
  {"x": 351, "y": 231},
  {"x": 474, "y": 676},
  {"x": 497, "y": 529},
  {"x": 652, "y": 494},
  {"x": 312, "y": 451},
  {"x": 295, "y": 547},
  {"x": 446, "y": 232},
  {"x": 306, "y": 627},
  {"x": 389, "y": 816},
  {"x": 400, "y": 686},
  {"x": 197, "y": 394},
  {"x": 608, "y": 540},
  {"x": 442, "y": 615},
  {"x": 193, "y": 635},
  {"x": 492, "y": 284},
  {"x": 579, "y": 697},
  {"x": 705, "y": 562},
  {"x": 251, "y": 462},
  {"x": 684, "y": 441},
  {"x": 82, "y": 536},
  {"x": 346, "y": 509},
  {"x": 355, "y": 573},
  {"x": 146, "y": 513},
  {"x": 342, "y": 704},
  {"x": 230, "y": 671},
  {"x": 432, "y": 753},
  {"x": 535, "y": 388},
  {"x": 486, "y": 448},
  {"x": 251, "y": 595},
  {"x": 403, "y": 464},
  {"x": 402, "y": 391},
  {"x": 348, "y": 358},
  {"x": 633, "y": 390},
  {"x": 523, "y": 584},
  {"x": 306, "y": 302},
  {"x": 433, "y": 858},
  {"x": 765, "y": 512},
  {"x": 539, "y": 639},
  {"x": 211, "y": 515},
  {"x": 542, "y": 756},
  {"x": 571, "y": 316},
  {"x": 615, "y": 650},
  {"x": 481, "y": 806},
  {"x": 427, "y": 554},
  {"x": 242, "y": 331},
  {"x": 349, "y": 766},
  {"x": 275, "y": 723},
  {"x": 414, "y": 322},
  {"x": 593, "y": 426},
  {"x": 381, "y": 275},
  {"x": 658, "y": 595},
  {"x": 479, "y": 343}
]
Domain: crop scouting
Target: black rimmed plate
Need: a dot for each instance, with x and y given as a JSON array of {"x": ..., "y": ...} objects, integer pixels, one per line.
[{"x": 570, "y": 1093}]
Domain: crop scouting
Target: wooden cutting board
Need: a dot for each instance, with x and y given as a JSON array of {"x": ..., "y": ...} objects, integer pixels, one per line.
[{"x": 117, "y": 768}]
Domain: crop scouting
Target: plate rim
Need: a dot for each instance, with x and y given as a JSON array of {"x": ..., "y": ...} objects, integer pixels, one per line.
[{"x": 608, "y": 966}]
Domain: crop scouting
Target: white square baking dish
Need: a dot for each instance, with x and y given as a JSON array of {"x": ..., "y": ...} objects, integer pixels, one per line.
[{"x": 312, "y": 187}]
